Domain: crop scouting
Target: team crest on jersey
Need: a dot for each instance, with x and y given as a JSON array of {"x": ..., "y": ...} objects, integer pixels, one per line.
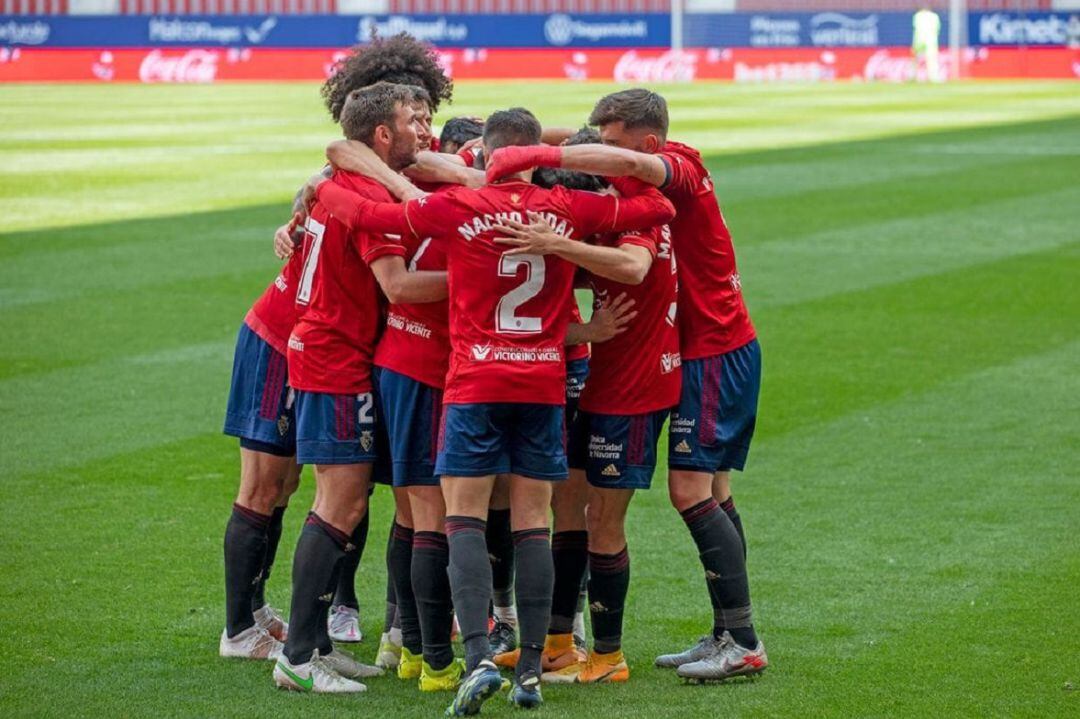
[
  {"x": 283, "y": 425},
  {"x": 367, "y": 440},
  {"x": 515, "y": 197},
  {"x": 481, "y": 352},
  {"x": 736, "y": 282}
]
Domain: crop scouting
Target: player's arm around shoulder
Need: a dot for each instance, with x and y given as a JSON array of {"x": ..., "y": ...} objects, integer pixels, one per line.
[
  {"x": 626, "y": 263},
  {"x": 616, "y": 162},
  {"x": 436, "y": 167},
  {"x": 354, "y": 156},
  {"x": 403, "y": 287}
]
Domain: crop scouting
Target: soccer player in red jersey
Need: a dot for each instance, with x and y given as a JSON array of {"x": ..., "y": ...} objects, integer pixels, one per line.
[
  {"x": 404, "y": 60},
  {"x": 711, "y": 429},
  {"x": 505, "y": 389},
  {"x": 260, "y": 414},
  {"x": 634, "y": 382},
  {"x": 330, "y": 354}
]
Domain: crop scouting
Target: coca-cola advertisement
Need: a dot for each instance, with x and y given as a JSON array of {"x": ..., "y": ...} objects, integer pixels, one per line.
[
  {"x": 199, "y": 66},
  {"x": 632, "y": 66},
  {"x": 673, "y": 66}
]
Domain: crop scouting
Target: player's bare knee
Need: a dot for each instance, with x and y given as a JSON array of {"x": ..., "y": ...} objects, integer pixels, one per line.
[
  {"x": 260, "y": 496},
  {"x": 289, "y": 486},
  {"x": 606, "y": 532},
  {"x": 568, "y": 505},
  {"x": 685, "y": 489},
  {"x": 721, "y": 486}
]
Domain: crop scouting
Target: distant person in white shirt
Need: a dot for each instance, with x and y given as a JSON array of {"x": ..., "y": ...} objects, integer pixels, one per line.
[{"x": 925, "y": 28}]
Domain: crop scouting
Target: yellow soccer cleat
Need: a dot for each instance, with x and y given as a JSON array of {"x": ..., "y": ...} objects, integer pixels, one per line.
[
  {"x": 604, "y": 668},
  {"x": 409, "y": 667},
  {"x": 446, "y": 679}
]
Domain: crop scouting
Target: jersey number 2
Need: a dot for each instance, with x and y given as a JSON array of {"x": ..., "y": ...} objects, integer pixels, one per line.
[{"x": 506, "y": 321}]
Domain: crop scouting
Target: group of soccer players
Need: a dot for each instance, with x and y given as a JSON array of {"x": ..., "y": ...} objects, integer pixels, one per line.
[{"x": 424, "y": 333}]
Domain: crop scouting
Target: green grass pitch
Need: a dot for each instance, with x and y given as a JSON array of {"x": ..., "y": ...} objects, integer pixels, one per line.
[{"x": 911, "y": 257}]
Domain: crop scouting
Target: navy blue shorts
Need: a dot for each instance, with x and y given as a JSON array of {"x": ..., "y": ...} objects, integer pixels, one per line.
[
  {"x": 500, "y": 438},
  {"x": 336, "y": 428},
  {"x": 260, "y": 409},
  {"x": 617, "y": 451},
  {"x": 712, "y": 427},
  {"x": 411, "y": 413},
  {"x": 577, "y": 371}
]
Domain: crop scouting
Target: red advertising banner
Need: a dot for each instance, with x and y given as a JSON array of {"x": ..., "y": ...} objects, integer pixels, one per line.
[{"x": 891, "y": 64}]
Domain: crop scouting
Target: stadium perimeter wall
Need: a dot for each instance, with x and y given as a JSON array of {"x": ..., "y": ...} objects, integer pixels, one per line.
[{"x": 746, "y": 47}]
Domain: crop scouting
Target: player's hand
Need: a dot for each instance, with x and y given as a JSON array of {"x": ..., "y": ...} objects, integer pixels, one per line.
[
  {"x": 284, "y": 244},
  {"x": 612, "y": 318},
  {"x": 536, "y": 238},
  {"x": 470, "y": 144},
  {"x": 510, "y": 160},
  {"x": 353, "y": 156},
  {"x": 307, "y": 192}
]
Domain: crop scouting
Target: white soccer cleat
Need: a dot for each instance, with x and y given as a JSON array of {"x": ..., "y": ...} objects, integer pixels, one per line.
[
  {"x": 314, "y": 676},
  {"x": 344, "y": 624},
  {"x": 271, "y": 620},
  {"x": 346, "y": 665},
  {"x": 706, "y": 647},
  {"x": 732, "y": 660},
  {"x": 252, "y": 643},
  {"x": 389, "y": 655}
]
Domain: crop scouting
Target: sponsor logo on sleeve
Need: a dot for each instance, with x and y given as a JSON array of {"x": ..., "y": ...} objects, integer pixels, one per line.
[{"x": 481, "y": 352}]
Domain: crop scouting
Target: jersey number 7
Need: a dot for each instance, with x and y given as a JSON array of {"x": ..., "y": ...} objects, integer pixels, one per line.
[{"x": 315, "y": 230}]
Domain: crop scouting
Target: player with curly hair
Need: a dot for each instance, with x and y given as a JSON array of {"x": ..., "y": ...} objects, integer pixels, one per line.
[{"x": 400, "y": 59}]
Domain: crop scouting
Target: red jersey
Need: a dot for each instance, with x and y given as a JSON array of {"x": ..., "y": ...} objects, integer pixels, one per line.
[
  {"x": 416, "y": 340},
  {"x": 639, "y": 371},
  {"x": 338, "y": 299},
  {"x": 712, "y": 316},
  {"x": 508, "y": 313},
  {"x": 273, "y": 315},
  {"x": 581, "y": 351}
]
